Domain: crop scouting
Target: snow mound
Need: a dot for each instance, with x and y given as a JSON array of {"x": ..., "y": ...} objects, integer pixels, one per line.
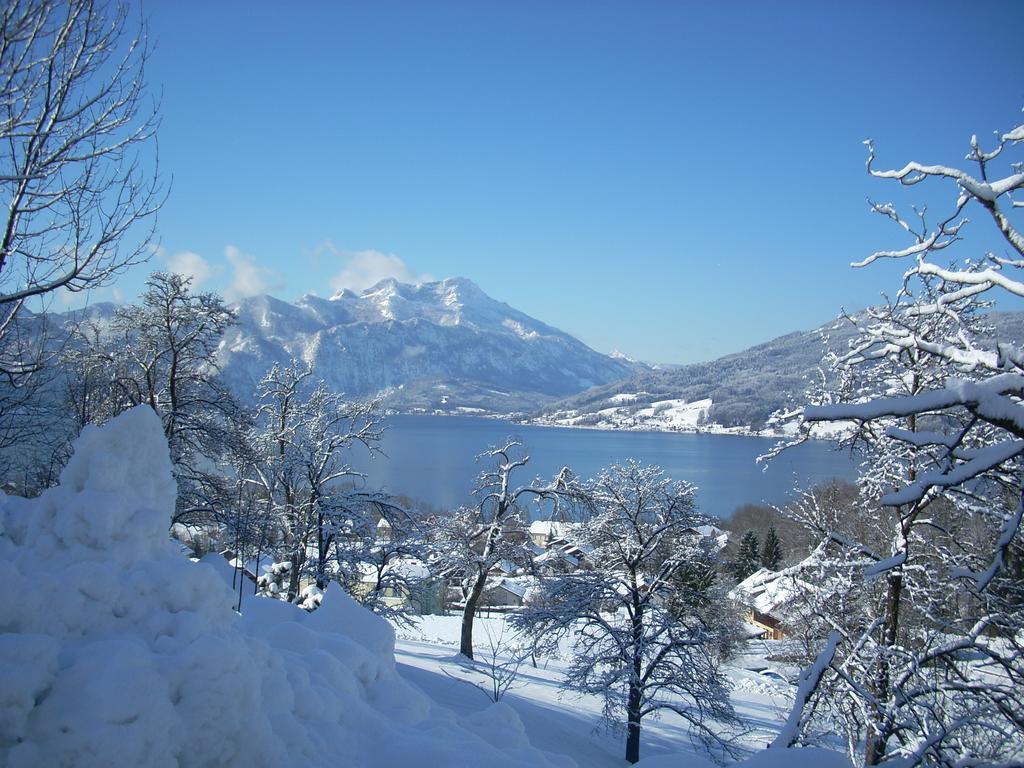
[{"x": 117, "y": 650}]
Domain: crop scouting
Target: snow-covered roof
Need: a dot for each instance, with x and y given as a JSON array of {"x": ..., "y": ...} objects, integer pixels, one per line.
[
  {"x": 506, "y": 566},
  {"x": 551, "y": 528},
  {"x": 553, "y": 555},
  {"x": 410, "y": 568},
  {"x": 766, "y": 591},
  {"x": 517, "y": 585},
  {"x": 253, "y": 567}
]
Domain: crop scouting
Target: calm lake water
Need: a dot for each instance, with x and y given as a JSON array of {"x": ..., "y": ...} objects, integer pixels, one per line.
[{"x": 431, "y": 458}]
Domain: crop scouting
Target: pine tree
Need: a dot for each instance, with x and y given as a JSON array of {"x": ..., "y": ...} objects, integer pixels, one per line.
[
  {"x": 771, "y": 552},
  {"x": 748, "y": 559}
]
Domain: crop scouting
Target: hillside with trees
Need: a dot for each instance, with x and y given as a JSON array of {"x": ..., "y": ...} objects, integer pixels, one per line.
[{"x": 744, "y": 388}]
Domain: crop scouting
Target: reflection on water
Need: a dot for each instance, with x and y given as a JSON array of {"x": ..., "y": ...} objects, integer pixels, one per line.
[{"x": 432, "y": 458}]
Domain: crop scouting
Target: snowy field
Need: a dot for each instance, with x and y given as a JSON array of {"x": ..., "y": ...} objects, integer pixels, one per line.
[{"x": 565, "y": 723}]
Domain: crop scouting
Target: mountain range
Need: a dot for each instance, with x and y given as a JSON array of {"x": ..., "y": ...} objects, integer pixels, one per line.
[
  {"x": 448, "y": 347},
  {"x": 438, "y": 346}
]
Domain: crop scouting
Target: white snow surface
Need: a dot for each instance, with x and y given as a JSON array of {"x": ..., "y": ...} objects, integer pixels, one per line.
[
  {"x": 671, "y": 415},
  {"x": 115, "y": 649}
]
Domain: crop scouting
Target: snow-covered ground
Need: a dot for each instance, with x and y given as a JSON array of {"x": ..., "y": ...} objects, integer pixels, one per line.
[
  {"x": 116, "y": 649},
  {"x": 632, "y": 412},
  {"x": 569, "y": 724},
  {"x": 674, "y": 415}
]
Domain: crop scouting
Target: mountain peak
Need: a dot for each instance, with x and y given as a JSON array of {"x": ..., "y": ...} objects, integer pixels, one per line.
[{"x": 439, "y": 345}]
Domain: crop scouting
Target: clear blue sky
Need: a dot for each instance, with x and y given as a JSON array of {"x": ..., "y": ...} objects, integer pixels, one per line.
[{"x": 673, "y": 180}]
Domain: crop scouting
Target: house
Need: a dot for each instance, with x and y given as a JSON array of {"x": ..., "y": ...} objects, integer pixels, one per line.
[
  {"x": 385, "y": 531},
  {"x": 766, "y": 595},
  {"x": 555, "y": 562},
  {"x": 508, "y": 592},
  {"x": 718, "y": 537},
  {"x": 406, "y": 571},
  {"x": 545, "y": 532},
  {"x": 505, "y": 568},
  {"x": 252, "y": 568}
]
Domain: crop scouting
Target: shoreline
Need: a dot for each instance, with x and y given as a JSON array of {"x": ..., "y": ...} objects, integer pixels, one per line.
[{"x": 515, "y": 418}]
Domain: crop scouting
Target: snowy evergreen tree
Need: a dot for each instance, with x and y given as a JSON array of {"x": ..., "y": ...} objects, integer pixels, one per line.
[
  {"x": 632, "y": 645},
  {"x": 771, "y": 551},
  {"x": 748, "y": 557}
]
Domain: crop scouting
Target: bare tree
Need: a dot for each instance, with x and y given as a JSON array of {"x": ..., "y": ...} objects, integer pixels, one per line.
[
  {"x": 641, "y": 639},
  {"x": 501, "y": 664},
  {"x": 382, "y": 561},
  {"x": 300, "y": 446},
  {"x": 77, "y": 171},
  {"x": 985, "y": 400},
  {"x": 475, "y": 539},
  {"x": 74, "y": 125},
  {"x": 938, "y": 407},
  {"x": 162, "y": 353}
]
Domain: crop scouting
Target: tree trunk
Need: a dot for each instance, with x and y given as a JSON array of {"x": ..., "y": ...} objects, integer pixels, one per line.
[
  {"x": 297, "y": 560},
  {"x": 633, "y": 724},
  {"x": 875, "y": 749},
  {"x": 469, "y": 613},
  {"x": 635, "y": 692}
]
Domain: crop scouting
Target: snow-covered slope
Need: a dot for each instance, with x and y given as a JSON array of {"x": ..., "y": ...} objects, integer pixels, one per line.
[
  {"x": 116, "y": 650},
  {"x": 738, "y": 392},
  {"x": 443, "y": 345}
]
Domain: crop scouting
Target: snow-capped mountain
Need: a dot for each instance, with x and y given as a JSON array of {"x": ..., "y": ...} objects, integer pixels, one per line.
[{"x": 436, "y": 346}]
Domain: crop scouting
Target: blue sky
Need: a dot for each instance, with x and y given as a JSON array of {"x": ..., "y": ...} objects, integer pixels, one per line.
[{"x": 673, "y": 180}]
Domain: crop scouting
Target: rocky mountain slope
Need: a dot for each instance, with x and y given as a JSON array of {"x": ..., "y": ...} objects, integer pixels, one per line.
[{"x": 443, "y": 346}]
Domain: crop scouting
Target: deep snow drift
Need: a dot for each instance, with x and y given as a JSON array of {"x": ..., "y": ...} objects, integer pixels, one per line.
[{"x": 116, "y": 650}]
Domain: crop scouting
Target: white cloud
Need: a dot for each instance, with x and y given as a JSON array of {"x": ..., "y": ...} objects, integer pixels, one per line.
[
  {"x": 192, "y": 265},
  {"x": 363, "y": 269},
  {"x": 187, "y": 263},
  {"x": 248, "y": 278},
  {"x": 68, "y": 298}
]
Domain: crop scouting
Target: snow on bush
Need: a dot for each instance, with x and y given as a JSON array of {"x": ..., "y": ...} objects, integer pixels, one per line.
[{"x": 116, "y": 650}]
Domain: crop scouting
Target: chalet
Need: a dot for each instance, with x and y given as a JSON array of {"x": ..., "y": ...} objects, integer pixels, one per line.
[
  {"x": 718, "y": 537},
  {"x": 766, "y": 595},
  {"x": 406, "y": 571},
  {"x": 508, "y": 593}
]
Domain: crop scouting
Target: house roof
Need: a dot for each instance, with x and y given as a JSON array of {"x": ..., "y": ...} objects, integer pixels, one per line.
[
  {"x": 517, "y": 585},
  {"x": 768, "y": 591},
  {"x": 554, "y": 555},
  {"x": 410, "y": 568},
  {"x": 547, "y": 528}
]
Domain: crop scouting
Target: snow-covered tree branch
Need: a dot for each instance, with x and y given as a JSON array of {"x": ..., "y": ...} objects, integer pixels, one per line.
[
  {"x": 645, "y": 635},
  {"x": 937, "y": 406}
]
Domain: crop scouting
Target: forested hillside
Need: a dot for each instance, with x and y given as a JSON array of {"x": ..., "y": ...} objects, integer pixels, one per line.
[{"x": 745, "y": 388}]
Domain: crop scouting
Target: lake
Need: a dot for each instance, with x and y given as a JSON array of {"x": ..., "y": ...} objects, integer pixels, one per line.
[{"x": 431, "y": 458}]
